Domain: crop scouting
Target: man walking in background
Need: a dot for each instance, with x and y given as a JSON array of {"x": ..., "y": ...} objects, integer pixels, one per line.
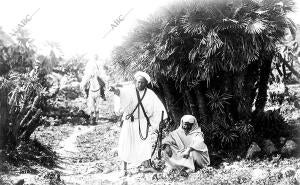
[{"x": 93, "y": 86}]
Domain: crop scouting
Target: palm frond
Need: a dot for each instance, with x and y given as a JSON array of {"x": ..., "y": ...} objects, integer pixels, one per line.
[
  {"x": 192, "y": 23},
  {"x": 255, "y": 27}
]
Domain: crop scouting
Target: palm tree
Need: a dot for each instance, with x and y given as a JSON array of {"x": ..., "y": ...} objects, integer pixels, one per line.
[{"x": 194, "y": 47}]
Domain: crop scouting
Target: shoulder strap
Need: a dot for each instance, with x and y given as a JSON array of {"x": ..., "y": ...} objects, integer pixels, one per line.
[
  {"x": 148, "y": 121},
  {"x": 139, "y": 100},
  {"x": 143, "y": 109}
]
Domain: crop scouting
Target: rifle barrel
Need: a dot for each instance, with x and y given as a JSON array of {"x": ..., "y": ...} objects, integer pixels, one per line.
[{"x": 160, "y": 135}]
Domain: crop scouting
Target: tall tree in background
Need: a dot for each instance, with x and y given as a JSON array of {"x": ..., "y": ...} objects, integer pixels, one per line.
[{"x": 211, "y": 59}]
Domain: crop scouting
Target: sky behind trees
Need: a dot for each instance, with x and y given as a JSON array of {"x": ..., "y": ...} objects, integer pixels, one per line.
[{"x": 78, "y": 26}]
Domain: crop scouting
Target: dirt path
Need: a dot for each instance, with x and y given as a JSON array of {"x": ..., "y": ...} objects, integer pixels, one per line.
[
  {"x": 68, "y": 148},
  {"x": 75, "y": 171}
]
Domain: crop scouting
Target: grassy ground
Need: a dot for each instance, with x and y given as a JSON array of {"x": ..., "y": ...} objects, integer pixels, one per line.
[
  {"x": 88, "y": 155},
  {"x": 96, "y": 156},
  {"x": 98, "y": 147}
]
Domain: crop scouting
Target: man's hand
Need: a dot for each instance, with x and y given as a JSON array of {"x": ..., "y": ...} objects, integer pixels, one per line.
[
  {"x": 111, "y": 88},
  {"x": 114, "y": 90},
  {"x": 167, "y": 149},
  {"x": 186, "y": 153}
]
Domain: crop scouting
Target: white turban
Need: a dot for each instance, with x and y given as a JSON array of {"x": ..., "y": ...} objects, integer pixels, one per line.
[{"x": 142, "y": 74}]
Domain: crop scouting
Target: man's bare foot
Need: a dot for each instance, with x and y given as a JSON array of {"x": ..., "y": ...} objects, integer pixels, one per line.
[
  {"x": 124, "y": 173},
  {"x": 94, "y": 121},
  {"x": 184, "y": 172},
  {"x": 149, "y": 170}
]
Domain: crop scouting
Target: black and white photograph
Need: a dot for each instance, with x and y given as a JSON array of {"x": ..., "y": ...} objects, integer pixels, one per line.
[{"x": 142, "y": 92}]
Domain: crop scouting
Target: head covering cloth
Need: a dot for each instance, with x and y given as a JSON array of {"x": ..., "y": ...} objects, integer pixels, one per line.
[
  {"x": 142, "y": 74},
  {"x": 191, "y": 119}
]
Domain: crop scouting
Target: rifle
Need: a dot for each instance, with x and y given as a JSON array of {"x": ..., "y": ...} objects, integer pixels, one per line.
[
  {"x": 87, "y": 89},
  {"x": 160, "y": 128}
]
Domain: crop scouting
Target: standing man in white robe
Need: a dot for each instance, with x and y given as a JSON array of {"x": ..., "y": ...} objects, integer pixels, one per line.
[{"x": 134, "y": 143}]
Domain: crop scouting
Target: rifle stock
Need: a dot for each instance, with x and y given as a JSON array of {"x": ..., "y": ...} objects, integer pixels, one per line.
[{"x": 160, "y": 135}]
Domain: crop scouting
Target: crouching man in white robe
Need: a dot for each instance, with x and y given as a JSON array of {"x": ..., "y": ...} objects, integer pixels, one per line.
[
  {"x": 139, "y": 121},
  {"x": 185, "y": 147}
]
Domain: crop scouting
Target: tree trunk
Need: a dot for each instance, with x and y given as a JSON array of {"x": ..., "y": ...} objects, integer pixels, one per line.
[
  {"x": 284, "y": 72},
  {"x": 291, "y": 69},
  {"x": 202, "y": 120},
  {"x": 244, "y": 91},
  {"x": 31, "y": 110},
  {"x": 191, "y": 103},
  {"x": 172, "y": 101},
  {"x": 250, "y": 79},
  {"x": 201, "y": 106},
  {"x": 31, "y": 126},
  {"x": 249, "y": 87},
  {"x": 4, "y": 125},
  {"x": 264, "y": 74}
]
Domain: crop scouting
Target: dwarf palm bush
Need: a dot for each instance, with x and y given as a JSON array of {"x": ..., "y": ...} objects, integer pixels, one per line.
[
  {"x": 24, "y": 92},
  {"x": 193, "y": 47},
  {"x": 225, "y": 132}
]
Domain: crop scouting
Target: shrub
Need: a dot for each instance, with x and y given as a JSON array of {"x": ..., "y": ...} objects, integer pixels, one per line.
[
  {"x": 225, "y": 133},
  {"x": 270, "y": 124}
]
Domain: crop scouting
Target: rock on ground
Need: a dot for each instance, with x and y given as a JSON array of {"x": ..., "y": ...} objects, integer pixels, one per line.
[
  {"x": 253, "y": 150},
  {"x": 269, "y": 147},
  {"x": 288, "y": 171},
  {"x": 289, "y": 148},
  {"x": 297, "y": 176}
]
